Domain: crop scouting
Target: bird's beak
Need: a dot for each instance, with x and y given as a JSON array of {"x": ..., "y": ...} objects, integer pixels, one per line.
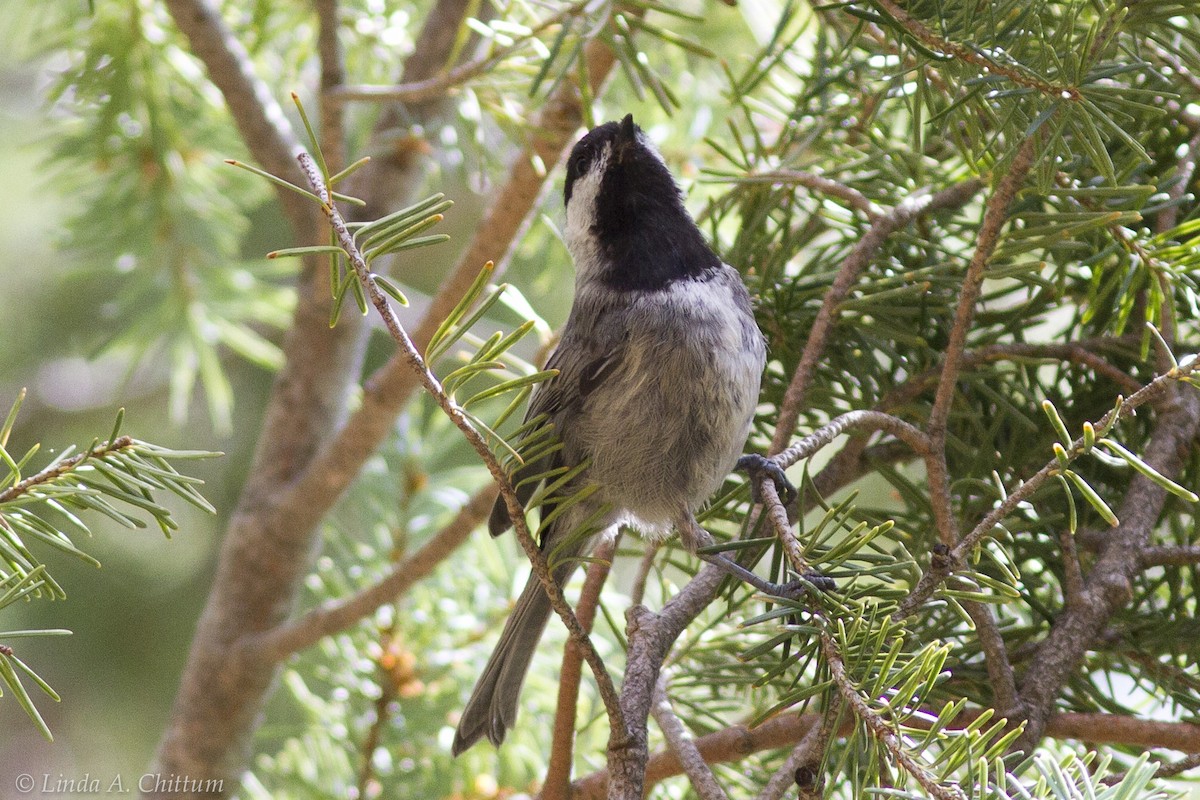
[{"x": 626, "y": 136}]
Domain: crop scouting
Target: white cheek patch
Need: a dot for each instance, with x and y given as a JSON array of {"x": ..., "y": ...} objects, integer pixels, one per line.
[{"x": 581, "y": 216}]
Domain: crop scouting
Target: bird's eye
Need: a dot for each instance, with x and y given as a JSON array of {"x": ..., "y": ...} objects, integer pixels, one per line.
[{"x": 580, "y": 160}]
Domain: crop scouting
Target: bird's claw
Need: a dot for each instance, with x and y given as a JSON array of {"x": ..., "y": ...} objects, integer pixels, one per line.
[
  {"x": 794, "y": 590},
  {"x": 757, "y": 467}
]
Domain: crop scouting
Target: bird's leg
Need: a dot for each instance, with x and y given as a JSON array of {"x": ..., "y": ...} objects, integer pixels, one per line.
[
  {"x": 758, "y": 467},
  {"x": 693, "y": 537}
]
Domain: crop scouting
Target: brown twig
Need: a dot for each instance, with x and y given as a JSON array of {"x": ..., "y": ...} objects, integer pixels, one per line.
[
  {"x": 1167, "y": 770},
  {"x": 995, "y": 654},
  {"x": 557, "y": 785},
  {"x": 884, "y": 225},
  {"x": 805, "y": 759},
  {"x": 809, "y": 445},
  {"x": 638, "y": 591},
  {"x": 1072, "y": 571},
  {"x": 994, "y": 216},
  {"x": 878, "y": 727},
  {"x": 819, "y": 183},
  {"x": 919, "y": 31},
  {"x": 438, "y": 85},
  {"x": 938, "y": 572},
  {"x": 683, "y": 745},
  {"x": 867, "y": 420},
  {"x": 338, "y": 615},
  {"x": 64, "y": 467},
  {"x": 729, "y": 744}
]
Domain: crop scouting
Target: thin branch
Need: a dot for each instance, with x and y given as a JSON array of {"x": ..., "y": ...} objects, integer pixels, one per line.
[
  {"x": 1168, "y": 770},
  {"x": 638, "y": 590},
  {"x": 995, "y": 654},
  {"x": 64, "y": 467},
  {"x": 1109, "y": 584},
  {"x": 1072, "y": 571},
  {"x": 433, "y": 387},
  {"x": 557, "y": 785},
  {"x": 868, "y": 420},
  {"x": 805, "y": 760},
  {"x": 438, "y": 85},
  {"x": 1163, "y": 555},
  {"x": 819, "y": 183},
  {"x": 777, "y": 513},
  {"x": 878, "y": 727},
  {"x": 994, "y": 216},
  {"x": 683, "y": 745},
  {"x": 387, "y": 693},
  {"x": 337, "y": 615},
  {"x": 884, "y": 226},
  {"x": 1124, "y": 730},
  {"x": 737, "y": 742},
  {"x": 333, "y": 74},
  {"x": 728, "y": 744},
  {"x": 389, "y": 389},
  {"x": 943, "y": 567},
  {"x": 1080, "y": 352},
  {"x": 252, "y": 105},
  {"x": 919, "y": 31}
]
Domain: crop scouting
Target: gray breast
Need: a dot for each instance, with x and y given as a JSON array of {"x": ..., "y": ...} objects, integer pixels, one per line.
[{"x": 666, "y": 427}]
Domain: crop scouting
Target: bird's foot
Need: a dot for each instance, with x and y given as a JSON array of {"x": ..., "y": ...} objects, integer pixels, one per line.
[
  {"x": 758, "y": 467},
  {"x": 792, "y": 590}
]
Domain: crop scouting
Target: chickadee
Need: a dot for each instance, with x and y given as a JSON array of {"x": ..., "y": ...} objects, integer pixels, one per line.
[{"x": 659, "y": 367}]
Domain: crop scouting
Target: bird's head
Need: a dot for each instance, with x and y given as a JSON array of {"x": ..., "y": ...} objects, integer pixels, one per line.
[{"x": 626, "y": 222}]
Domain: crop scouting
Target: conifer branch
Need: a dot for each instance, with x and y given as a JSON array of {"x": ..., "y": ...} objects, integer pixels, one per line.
[
  {"x": 994, "y": 216},
  {"x": 942, "y": 567},
  {"x": 390, "y": 387},
  {"x": 885, "y": 225},
  {"x": 737, "y": 742},
  {"x": 878, "y": 727},
  {"x": 62, "y": 468},
  {"x": 1109, "y": 584},
  {"x": 1021, "y": 77}
]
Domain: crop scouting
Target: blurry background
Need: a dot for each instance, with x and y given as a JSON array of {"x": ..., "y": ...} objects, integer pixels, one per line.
[{"x": 132, "y": 619}]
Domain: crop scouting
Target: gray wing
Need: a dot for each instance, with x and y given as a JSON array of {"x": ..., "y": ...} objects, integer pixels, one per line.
[{"x": 583, "y": 361}]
